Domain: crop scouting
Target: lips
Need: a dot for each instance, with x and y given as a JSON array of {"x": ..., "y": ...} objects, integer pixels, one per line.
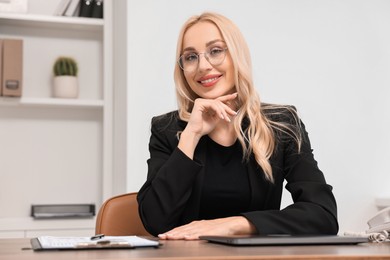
[{"x": 209, "y": 81}]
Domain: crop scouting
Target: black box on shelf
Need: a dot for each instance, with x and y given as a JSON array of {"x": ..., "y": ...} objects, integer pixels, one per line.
[
  {"x": 47, "y": 211},
  {"x": 91, "y": 8}
]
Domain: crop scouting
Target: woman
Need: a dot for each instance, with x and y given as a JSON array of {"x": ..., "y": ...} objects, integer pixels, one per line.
[{"x": 217, "y": 165}]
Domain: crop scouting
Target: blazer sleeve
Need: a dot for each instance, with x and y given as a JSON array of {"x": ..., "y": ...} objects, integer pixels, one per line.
[
  {"x": 171, "y": 174},
  {"x": 314, "y": 210}
]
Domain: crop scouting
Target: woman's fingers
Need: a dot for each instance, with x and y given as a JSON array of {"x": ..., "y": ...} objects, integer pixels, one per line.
[
  {"x": 219, "y": 108},
  {"x": 221, "y": 226},
  {"x": 228, "y": 97},
  {"x": 188, "y": 232},
  {"x": 226, "y": 102},
  {"x": 206, "y": 113}
]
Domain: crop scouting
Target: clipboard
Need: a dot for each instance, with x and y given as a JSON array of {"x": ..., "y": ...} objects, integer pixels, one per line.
[{"x": 44, "y": 243}]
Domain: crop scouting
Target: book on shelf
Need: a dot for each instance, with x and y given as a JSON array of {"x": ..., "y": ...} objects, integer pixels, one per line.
[
  {"x": 73, "y": 8},
  {"x": 61, "y": 8}
]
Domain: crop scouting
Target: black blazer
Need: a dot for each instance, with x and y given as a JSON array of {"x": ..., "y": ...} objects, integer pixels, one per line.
[{"x": 171, "y": 194}]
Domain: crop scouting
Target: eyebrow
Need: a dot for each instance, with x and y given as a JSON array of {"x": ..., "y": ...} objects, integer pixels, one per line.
[{"x": 207, "y": 45}]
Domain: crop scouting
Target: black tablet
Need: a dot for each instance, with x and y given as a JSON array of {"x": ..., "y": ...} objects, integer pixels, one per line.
[{"x": 271, "y": 240}]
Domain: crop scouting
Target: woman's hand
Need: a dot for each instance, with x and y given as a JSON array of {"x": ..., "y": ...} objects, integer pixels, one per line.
[
  {"x": 207, "y": 113},
  {"x": 217, "y": 227},
  {"x": 205, "y": 116}
]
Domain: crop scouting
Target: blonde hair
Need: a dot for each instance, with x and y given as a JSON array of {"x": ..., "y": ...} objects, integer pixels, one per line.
[{"x": 259, "y": 137}]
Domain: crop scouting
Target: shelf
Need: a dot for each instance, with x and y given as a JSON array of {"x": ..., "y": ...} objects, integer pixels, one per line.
[
  {"x": 64, "y": 142},
  {"x": 51, "y": 102},
  {"x": 47, "y": 21},
  {"x": 10, "y": 224},
  {"x": 29, "y": 227}
]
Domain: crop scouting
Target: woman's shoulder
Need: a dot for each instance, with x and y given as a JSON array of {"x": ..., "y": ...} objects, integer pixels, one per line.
[
  {"x": 280, "y": 113},
  {"x": 173, "y": 115},
  {"x": 168, "y": 121},
  {"x": 284, "y": 121}
]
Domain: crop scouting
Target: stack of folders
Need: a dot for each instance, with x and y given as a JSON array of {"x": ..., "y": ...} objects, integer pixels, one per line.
[
  {"x": 80, "y": 8},
  {"x": 11, "y": 67}
]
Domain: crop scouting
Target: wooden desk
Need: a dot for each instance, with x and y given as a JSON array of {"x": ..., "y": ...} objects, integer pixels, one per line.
[{"x": 11, "y": 249}]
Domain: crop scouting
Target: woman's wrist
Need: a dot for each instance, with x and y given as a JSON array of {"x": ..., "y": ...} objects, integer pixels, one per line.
[
  {"x": 242, "y": 226},
  {"x": 188, "y": 142}
]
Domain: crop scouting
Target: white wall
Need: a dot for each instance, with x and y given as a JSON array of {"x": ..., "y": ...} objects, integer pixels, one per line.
[{"x": 329, "y": 58}]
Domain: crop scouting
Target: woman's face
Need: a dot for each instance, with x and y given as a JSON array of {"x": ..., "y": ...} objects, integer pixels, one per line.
[{"x": 208, "y": 80}]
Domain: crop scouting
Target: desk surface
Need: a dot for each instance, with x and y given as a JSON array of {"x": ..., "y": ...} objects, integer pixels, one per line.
[{"x": 16, "y": 249}]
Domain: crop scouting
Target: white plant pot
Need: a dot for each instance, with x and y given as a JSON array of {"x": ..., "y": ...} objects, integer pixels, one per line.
[{"x": 65, "y": 87}]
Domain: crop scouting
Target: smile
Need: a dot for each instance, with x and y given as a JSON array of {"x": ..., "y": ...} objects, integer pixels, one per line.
[{"x": 209, "y": 81}]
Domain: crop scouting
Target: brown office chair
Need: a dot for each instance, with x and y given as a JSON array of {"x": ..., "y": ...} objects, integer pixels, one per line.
[{"x": 118, "y": 216}]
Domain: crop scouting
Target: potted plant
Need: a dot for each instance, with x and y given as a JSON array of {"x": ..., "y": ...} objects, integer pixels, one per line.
[{"x": 65, "y": 78}]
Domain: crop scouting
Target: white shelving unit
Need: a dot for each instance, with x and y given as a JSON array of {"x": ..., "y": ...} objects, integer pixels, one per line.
[
  {"x": 57, "y": 151},
  {"x": 35, "y": 20},
  {"x": 54, "y": 102}
]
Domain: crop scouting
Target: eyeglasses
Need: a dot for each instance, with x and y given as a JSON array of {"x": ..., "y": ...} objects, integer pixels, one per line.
[{"x": 189, "y": 62}]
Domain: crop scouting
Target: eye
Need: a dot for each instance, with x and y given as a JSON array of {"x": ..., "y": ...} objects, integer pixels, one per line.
[
  {"x": 190, "y": 57},
  {"x": 216, "y": 51}
]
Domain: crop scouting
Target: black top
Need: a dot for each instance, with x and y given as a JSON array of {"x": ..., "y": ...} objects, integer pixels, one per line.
[
  {"x": 225, "y": 189},
  {"x": 172, "y": 193}
]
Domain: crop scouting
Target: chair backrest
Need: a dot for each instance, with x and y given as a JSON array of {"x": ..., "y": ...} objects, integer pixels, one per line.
[{"x": 118, "y": 216}]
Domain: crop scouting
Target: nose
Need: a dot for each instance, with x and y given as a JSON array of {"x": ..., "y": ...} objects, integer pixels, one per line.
[{"x": 204, "y": 64}]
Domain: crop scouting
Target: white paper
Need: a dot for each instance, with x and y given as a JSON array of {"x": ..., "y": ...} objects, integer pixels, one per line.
[{"x": 74, "y": 242}]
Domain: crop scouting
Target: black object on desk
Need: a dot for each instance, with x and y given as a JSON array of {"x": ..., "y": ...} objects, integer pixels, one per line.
[{"x": 276, "y": 240}]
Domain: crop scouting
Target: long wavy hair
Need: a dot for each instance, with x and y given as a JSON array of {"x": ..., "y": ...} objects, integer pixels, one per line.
[{"x": 259, "y": 137}]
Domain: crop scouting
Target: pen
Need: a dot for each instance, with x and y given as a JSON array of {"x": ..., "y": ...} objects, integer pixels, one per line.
[
  {"x": 104, "y": 244},
  {"x": 96, "y": 237}
]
